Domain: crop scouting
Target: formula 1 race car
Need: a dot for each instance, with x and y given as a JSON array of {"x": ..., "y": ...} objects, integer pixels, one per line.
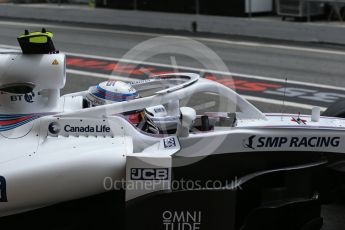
[{"x": 171, "y": 163}]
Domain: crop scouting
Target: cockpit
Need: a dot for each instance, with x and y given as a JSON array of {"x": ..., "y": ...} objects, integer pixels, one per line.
[{"x": 179, "y": 103}]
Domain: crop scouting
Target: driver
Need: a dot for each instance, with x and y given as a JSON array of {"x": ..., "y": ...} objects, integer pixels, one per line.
[
  {"x": 152, "y": 120},
  {"x": 109, "y": 92},
  {"x": 113, "y": 91}
]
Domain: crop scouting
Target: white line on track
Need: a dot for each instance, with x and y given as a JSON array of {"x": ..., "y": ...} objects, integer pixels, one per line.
[
  {"x": 151, "y": 34},
  {"x": 279, "y": 102},
  {"x": 251, "y": 98},
  {"x": 323, "y": 86},
  {"x": 208, "y": 71},
  {"x": 99, "y": 75}
]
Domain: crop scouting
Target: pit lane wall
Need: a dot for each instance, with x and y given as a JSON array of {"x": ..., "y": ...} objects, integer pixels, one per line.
[{"x": 250, "y": 27}]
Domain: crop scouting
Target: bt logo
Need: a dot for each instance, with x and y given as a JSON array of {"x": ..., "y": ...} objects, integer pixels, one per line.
[{"x": 28, "y": 97}]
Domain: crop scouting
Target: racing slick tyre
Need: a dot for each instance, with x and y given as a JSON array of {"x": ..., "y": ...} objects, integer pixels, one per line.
[
  {"x": 284, "y": 200},
  {"x": 91, "y": 213},
  {"x": 216, "y": 209},
  {"x": 336, "y": 110}
]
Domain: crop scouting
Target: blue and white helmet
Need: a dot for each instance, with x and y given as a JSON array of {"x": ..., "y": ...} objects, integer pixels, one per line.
[{"x": 111, "y": 91}]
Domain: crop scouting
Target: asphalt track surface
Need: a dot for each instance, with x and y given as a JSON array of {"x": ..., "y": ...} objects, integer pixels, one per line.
[
  {"x": 314, "y": 73},
  {"x": 268, "y": 73}
]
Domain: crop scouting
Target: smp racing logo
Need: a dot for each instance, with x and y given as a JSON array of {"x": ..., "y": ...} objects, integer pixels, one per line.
[
  {"x": 182, "y": 220},
  {"x": 254, "y": 142},
  {"x": 3, "y": 192}
]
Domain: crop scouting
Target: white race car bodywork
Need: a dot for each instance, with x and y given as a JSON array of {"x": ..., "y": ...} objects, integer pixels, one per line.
[
  {"x": 42, "y": 169},
  {"x": 65, "y": 152}
]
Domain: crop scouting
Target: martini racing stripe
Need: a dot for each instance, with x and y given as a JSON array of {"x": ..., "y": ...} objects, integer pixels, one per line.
[
  {"x": 9, "y": 122},
  {"x": 15, "y": 121}
]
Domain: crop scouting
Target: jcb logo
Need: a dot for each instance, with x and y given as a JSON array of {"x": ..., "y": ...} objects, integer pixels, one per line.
[{"x": 149, "y": 174}]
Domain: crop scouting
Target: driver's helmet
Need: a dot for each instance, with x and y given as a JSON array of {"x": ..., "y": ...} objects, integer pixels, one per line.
[{"x": 109, "y": 92}]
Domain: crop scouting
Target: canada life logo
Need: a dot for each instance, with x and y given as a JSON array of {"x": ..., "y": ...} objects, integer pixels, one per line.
[{"x": 182, "y": 220}]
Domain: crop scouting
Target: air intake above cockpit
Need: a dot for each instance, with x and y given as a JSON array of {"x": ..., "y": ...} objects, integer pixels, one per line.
[{"x": 37, "y": 42}]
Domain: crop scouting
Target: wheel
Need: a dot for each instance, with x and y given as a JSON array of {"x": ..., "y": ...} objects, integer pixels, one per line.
[{"x": 336, "y": 110}]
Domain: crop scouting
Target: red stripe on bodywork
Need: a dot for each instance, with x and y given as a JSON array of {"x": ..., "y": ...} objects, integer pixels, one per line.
[{"x": 15, "y": 121}]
